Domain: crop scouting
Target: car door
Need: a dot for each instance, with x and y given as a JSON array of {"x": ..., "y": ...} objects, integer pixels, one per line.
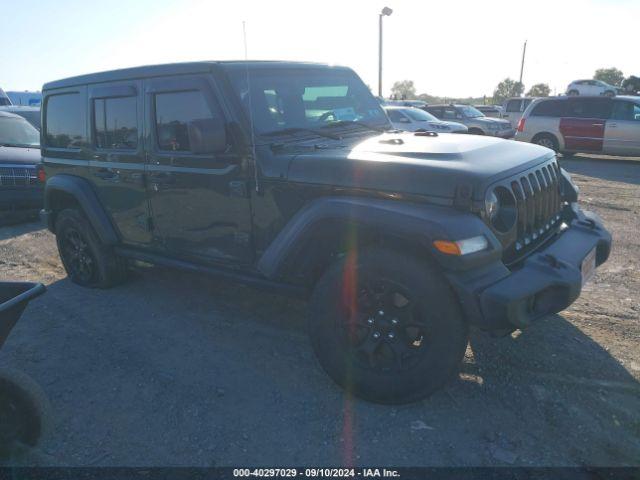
[
  {"x": 622, "y": 130},
  {"x": 583, "y": 125},
  {"x": 117, "y": 158},
  {"x": 198, "y": 191}
]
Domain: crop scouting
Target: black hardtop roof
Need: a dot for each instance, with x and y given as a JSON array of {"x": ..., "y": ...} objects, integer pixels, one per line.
[{"x": 173, "y": 69}]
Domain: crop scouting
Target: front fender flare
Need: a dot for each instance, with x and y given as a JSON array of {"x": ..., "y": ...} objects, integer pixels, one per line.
[{"x": 415, "y": 223}]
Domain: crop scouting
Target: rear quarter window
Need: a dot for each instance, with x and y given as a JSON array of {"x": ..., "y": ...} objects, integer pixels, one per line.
[{"x": 65, "y": 121}]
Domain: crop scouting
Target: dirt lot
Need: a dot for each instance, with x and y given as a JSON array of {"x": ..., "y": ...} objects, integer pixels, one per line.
[{"x": 177, "y": 369}]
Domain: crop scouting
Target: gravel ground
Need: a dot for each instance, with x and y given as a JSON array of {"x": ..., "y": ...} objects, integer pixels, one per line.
[{"x": 177, "y": 369}]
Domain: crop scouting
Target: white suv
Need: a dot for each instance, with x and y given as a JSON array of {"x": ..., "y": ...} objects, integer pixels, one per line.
[{"x": 590, "y": 87}]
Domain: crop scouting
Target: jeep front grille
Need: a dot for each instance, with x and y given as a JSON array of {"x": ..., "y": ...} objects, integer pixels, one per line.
[
  {"x": 18, "y": 176},
  {"x": 538, "y": 202}
]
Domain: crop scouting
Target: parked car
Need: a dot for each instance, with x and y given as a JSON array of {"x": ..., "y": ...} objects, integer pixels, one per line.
[
  {"x": 494, "y": 111},
  {"x": 289, "y": 176},
  {"x": 591, "y": 87},
  {"x": 30, "y": 114},
  {"x": 20, "y": 186},
  {"x": 415, "y": 120},
  {"x": 475, "y": 120},
  {"x": 513, "y": 108},
  {"x": 26, "y": 98},
  {"x": 583, "y": 124},
  {"x": 406, "y": 103},
  {"x": 4, "y": 99}
]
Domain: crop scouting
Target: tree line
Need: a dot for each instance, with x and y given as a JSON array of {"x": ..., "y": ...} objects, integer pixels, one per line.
[{"x": 405, "y": 89}]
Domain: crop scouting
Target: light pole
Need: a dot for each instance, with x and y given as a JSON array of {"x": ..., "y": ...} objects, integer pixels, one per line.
[
  {"x": 524, "y": 52},
  {"x": 386, "y": 11}
]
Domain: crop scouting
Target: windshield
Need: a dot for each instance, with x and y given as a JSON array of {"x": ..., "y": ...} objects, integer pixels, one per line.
[
  {"x": 419, "y": 115},
  {"x": 303, "y": 100},
  {"x": 470, "y": 112},
  {"x": 17, "y": 132}
]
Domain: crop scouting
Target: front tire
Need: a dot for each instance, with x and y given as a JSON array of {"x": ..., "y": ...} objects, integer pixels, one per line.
[
  {"x": 386, "y": 326},
  {"x": 475, "y": 131},
  {"x": 87, "y": 261}
]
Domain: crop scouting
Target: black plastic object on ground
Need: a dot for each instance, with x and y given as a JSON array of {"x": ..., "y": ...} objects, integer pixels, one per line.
[{"x": 23, "y": 406}]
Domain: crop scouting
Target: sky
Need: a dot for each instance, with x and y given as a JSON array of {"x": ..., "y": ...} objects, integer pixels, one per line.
[{"x": 454, "y": 48}]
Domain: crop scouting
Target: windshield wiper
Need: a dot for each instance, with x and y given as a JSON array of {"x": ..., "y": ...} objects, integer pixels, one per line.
[
  {"x": 290, "y": 130},
  {"x": 341, "y": 123}
]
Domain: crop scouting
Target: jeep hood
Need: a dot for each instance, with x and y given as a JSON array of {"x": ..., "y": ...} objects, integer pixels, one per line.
[{"x": 434, "y": 166}]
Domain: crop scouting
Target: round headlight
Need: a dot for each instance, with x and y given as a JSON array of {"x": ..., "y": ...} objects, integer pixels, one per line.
[
  {"x": 491, "y": 205},
  {"x": 500, "y": 208}
]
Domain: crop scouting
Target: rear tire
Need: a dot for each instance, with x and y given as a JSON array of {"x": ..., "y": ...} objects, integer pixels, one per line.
[
  {"x": 573, "y": 93},
  {"x": 386, "y": 327},
  {"x": 609, "y": 94},
  {"x": 475, "y": 131},
  {"x": 546, "y": 140},
  {"x": 87, "y": 261}
]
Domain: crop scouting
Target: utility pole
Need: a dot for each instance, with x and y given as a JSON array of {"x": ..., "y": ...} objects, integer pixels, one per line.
[
  {"x": 386, "y": 11},
  {"x": 524, "y": 51}
]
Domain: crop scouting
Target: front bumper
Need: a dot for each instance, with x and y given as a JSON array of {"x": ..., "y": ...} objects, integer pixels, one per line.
[
  {"x": 509, "y": 133},
  {"x": 546, "y": 282}
]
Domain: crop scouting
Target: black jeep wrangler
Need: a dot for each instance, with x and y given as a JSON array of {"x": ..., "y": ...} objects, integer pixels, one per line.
[{"x": 289, "y": 176}]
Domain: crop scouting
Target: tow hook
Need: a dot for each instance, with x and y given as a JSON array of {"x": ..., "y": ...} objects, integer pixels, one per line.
[
  {"x": 588, "y": 222},
  {"x": 552, "y": 260}
]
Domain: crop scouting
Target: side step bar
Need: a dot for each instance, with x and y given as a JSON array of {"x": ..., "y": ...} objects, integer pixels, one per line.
[{"x": 255, "y": 281}]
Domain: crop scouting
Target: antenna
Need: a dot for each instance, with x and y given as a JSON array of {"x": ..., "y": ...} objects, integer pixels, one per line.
[{"x": 253, "y": 137}]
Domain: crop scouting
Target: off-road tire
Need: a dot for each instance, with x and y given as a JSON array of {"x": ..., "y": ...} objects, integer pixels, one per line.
[
  {"x": 443, "y": 341},
  {"x": 106, "y": 268},
  {"x": 24, "y": 412}
]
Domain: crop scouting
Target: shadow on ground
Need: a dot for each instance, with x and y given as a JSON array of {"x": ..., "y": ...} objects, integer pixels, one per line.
[
  {"x": 176, "y": 369},
  {"x": 626, "y": 171}
]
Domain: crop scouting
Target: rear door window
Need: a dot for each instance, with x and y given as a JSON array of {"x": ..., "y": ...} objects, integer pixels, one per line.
[
  {"x": 65, "y": 121},
  {"x": 449, "y": 113},
  {"x": 589, "y": 108},
  {"x": 115, "y": 123},
  {"x": 549, "y": 108},
  {"x": 435, "y": 111}
]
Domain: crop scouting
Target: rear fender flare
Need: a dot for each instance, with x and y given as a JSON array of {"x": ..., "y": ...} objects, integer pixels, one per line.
[{"x": 81, "y": 190}]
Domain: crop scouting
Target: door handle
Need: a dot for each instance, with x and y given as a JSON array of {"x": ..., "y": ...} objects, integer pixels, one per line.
[
  {"x": 612, "y": 125},
  {"x": 161, "y": 178},
  {"x": 597, "y": 124},
  {"x": 106, "y": 174}
]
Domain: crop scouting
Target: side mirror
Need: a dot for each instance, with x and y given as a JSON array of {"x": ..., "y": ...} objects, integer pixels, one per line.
[{"x": 208, "y": 135}]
